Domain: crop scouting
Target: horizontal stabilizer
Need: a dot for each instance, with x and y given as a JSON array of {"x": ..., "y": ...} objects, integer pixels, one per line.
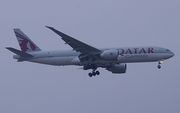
[{"x": 18, "y": 52}]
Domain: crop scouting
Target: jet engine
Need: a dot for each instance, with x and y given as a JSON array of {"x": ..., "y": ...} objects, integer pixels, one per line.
[
  {"x": 120, "y": 68},
  {"x": 110, "y": 55}
]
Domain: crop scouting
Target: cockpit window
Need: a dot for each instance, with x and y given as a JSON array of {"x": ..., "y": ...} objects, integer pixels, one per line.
[{"x": 167, "y": 50}]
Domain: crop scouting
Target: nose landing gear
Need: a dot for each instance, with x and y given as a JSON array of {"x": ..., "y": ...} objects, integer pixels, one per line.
[{"x": 159, "y": 64}]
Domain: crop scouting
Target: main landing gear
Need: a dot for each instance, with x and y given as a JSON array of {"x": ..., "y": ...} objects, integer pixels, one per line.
[
  {"x": 159, "y": 64},
  {"x": 94, "y": 73},
  {"x": 93, "y": 67}
]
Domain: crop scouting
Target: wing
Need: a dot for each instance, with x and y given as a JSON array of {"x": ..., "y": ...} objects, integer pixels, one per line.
[{"x": 76, "y": 44}]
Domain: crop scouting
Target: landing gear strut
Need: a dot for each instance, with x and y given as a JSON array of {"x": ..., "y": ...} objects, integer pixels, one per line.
[{"x": 159, "y": 64}]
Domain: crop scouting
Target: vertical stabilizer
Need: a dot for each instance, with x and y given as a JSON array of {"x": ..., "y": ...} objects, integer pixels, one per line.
[{"x": 25, "y": 42}]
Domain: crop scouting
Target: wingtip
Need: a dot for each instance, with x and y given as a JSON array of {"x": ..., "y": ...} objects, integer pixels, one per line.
[
  {"x": 15, "y": 28},
  {"x": 49, "y": 27},
  {"x": 8, "y": 48}
]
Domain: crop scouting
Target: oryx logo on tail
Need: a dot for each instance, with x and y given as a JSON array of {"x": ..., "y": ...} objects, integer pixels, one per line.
[{"x": 25, "y": 43}]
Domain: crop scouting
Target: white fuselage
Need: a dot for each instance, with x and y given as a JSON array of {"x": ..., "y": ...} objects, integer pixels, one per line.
[{"x": 126, "y": 55}]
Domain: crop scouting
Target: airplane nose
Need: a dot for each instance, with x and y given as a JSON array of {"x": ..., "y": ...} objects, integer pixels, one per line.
[{"x": 172, "y": 54}]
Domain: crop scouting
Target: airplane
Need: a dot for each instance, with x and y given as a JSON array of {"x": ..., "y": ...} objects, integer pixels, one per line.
[{"x": 82, "y": 54}]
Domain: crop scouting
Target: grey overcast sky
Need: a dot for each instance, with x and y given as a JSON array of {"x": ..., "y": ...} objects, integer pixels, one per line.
[{"x": 35, "y": 88}]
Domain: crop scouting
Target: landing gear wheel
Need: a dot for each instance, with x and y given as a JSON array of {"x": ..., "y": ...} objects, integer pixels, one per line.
[
  {"x": 90, "y": 74},
  {"x": 94, "y": 73},
  {"x": 159, "y": 66},
  {"x": 97, "y": 72}
]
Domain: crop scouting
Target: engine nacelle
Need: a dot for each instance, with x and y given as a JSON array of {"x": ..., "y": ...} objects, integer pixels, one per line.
[
  {"x": 120, "y": 68},
  {"x": 110, "y": 55}
]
